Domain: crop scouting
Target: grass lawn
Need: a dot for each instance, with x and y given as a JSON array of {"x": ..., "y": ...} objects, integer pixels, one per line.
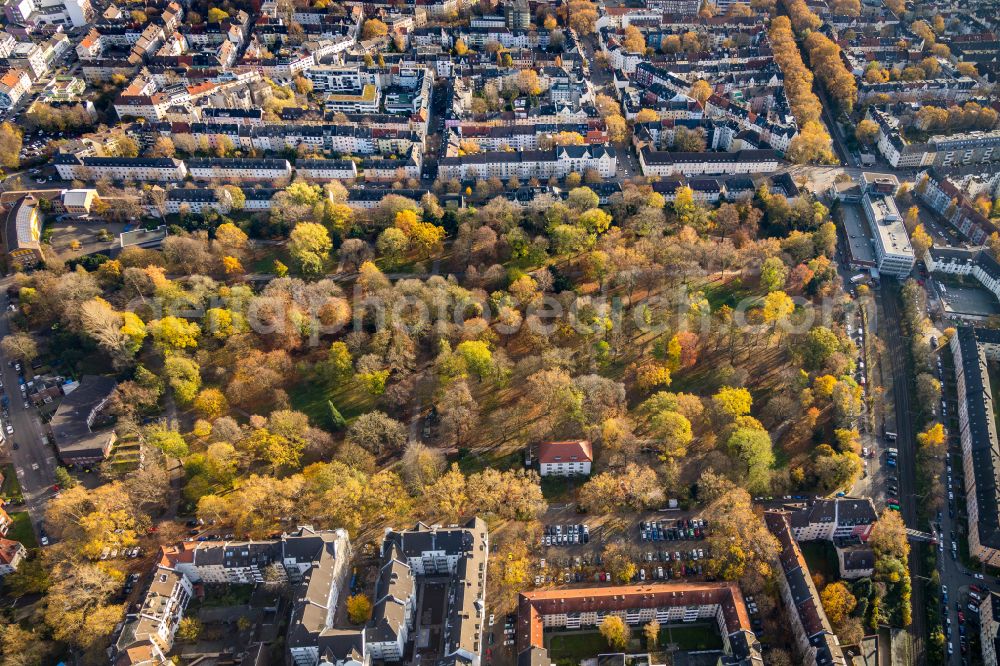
[
  {"x": 227, "y": 595},
  {"x": 471, "y": 462},
  {"x": 691, "y": 637},
  {"x": 311, "y": 398},
  {"x": 265, "y": 264},
  {"x": 560, "y": 488},
  {"x": 729, "y": 293},
  {"x": 821, "y": 558},
  {"x": 11, "y": 488},
  {"x": 22, "y": 530},
  {"x": 569, "y": 649}
]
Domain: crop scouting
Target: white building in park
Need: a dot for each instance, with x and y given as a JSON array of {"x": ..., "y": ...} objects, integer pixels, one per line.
[{"x": 569, "y": 458}]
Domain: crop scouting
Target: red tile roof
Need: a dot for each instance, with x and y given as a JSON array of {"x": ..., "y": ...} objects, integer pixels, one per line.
[
  {"x": 9, "y": 550},
  {"x": 532, "y": 606},
  {"x": 580, "y": 450}
]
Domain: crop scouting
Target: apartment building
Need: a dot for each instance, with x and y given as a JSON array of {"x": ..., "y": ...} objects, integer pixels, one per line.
[
  {"x": 431, "y": 550},
  {"x": 940, "y": 194},
  {"x": 989, "y": 627},
  {"x": 663, "y": 163},
  {"x": 834, "y": 519},
  {"x": 78, "y": 202},
  {"x": 235, "y": 116},
  {"x": 13, "y": 84},
  {"x": 325, "y": 137},
  {"x": 7, "y": 44},
  {"x": 238, "y": 169},
  {"x": 30, "y": 58},
  {"x": 392, "y": 615},
  {"x": 12, "y": 553},
  {"x": 857, "y": 561},
  {"x": 79, "y": 437},
  {"x": 340, "y": 79},
  {"x": 364, "y": 100},
  {"x": 980, "y": 147},
  {"x": 387, "y": 169},
  {"x": 326, "y": 169},
  {"x": 569, "y": 458},
  {"x": 140, "y": 169},
  {"x": 815, "y": 642},
  {"x": 314, "y": 562},
  {"x": 156, "y": 622},
  {"x": 976, "y": 262},
  {"x": 196, "y": 200},
  {"x": 972, "y": 348},
  {"x": 76, "y": 13},
  {"x": 558, "y": 162},
  {"x": 668, "y": 603},
  {"x": 957, "y": 89}
]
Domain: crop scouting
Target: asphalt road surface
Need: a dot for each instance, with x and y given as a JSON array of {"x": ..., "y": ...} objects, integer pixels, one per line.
[{"x": 34, "y": 459}]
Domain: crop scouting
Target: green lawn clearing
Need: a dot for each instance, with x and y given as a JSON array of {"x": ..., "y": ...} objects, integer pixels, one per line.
[
  {"x": 11, "y": 489},
  {"x": 312, "y": 398},
  {"x": 22, "y": 530},
  {"x": 691, "y": 637},
  {"x": 569, "y": 649}
]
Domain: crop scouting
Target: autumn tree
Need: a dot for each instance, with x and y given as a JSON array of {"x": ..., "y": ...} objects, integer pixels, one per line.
[
  {"x": 921, "y": 241},
  {"x": 701, "y": 90},
  {"x": 933, "y": 439},
  {"x": 888, "y": 536},
  {"x": 20, "y": 346},
  {"x": 173, "y": 333},
  {"x": 580, "y": 15},
  {"x": 651, "y": 631},
  {"x": 634, "y": 41},
  {"x": 866, "y": 132},
  {"x": 615, "y": 632},
  {"x": 740, "y": 544},
  {"x": 310, "y": 245},
  {"x": 422, "y": 466},
  {"x": 752, "y": 447},
  {"x": 689, "y": 140},
  {"x": 827, "y": 64},
  {"x": 838, "y": 602},
  {"x": 10, "y": 146},
  {"x": 162, "y": 147},
  {"x": 374, "y": 28},
  {"x": 359, "y": 608},
  {"x": 377, "y": 432}
]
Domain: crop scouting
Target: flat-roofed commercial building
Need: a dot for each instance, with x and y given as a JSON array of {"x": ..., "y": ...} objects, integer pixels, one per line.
[{"x": 893, "y": 252}]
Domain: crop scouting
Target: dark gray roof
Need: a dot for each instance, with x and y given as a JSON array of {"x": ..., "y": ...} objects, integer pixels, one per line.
[
  {"x": 984, "y": 448},
  {"x": 236, "y": 163},
  {"x": 858, "y": 559},
  {"x": 664, "y": 157},
  {"x": 191, "y": 194},
  {"x": 71, "y": 422},
  {"x": 134, "y": 162}
]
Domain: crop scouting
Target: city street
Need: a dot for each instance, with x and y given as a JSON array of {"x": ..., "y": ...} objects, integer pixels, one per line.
[{"x": 34, "y": 459}]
